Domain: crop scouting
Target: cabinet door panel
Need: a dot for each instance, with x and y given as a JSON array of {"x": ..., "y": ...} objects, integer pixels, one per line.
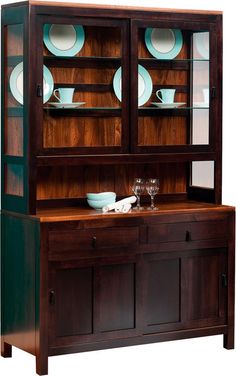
[
  {"x": 162, "y": 293},
  {"x": 73, "y": 302},
  {"x": 204, "y": 292},
  {"x": 117, "y": 297}
]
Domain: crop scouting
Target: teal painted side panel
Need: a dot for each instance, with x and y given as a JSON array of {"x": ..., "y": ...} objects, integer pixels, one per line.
[{"x": 19, "y": 277}]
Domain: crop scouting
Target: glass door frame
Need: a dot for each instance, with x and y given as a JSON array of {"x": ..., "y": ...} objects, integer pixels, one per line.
[
  {"x": 98, "y": 21},
  {"x": 215, "y": 90}
]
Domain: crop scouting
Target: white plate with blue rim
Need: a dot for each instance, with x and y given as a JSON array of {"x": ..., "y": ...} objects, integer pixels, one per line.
[
  {"x": 16, "y": 83},
  {"x": 145, "y": 86},
  {"x": 63, "y": 39},
  {"x": 164, "y": 43}
]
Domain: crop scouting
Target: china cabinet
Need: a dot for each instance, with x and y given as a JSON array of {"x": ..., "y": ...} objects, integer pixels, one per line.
[{"x": 142, "y": 99}]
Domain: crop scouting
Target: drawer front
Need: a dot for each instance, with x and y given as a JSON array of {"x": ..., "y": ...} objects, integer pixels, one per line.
[
  {"x": 179, "y": 232},
  {"x": 92, "y": 239}
]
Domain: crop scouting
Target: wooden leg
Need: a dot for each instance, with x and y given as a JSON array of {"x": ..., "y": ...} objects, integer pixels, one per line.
[
  {"x": 6, "y": 350},
  {"x": 229, "y": 340},
  {"x": 41, "y": 365}
]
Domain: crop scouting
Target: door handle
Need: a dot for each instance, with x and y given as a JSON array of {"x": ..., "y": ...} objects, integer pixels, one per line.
[{"x": 52, "y": 297}]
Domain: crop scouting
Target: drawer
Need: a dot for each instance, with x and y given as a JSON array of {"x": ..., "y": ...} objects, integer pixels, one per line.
[
  {"x": 92, "y": 239},
  {"x": 178, "y": 232}
]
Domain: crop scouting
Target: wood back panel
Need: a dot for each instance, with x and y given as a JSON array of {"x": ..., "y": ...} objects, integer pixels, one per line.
[
  {"x": 99, "y": 41},
  {"x": 75, "y": 182},
  {"x": 81, "y": 131}
]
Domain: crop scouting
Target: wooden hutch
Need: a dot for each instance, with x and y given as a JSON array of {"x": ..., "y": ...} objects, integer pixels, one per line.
[{"x": 74, "y": 279}]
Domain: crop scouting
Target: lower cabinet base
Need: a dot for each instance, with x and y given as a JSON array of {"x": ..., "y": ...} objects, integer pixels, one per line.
[{"x": 42, "y": 358}]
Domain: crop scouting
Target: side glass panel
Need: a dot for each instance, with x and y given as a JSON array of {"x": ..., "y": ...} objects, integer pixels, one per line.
[
  {"x": 13, "y": 143},
  {"x": 82, "y": 86},
  {"x": 203, "y": 173},
  {"x": 200, "y": 88},
  {"x": 173, "y": 87},
  {"x": 14, "y": 175}
]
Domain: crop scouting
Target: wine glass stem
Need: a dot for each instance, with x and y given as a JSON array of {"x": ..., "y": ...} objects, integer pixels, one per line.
[
  {"x": 152, "y": 202},
  {"x": 138, "y": 202}
]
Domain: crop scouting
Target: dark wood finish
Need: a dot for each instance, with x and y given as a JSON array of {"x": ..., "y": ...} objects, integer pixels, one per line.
[
  {"x": 163, "y": 278},
  {"x": 6, "y": 349},
  {"x": 77, "y": 181},
  {"x": 107, "y": 280}
]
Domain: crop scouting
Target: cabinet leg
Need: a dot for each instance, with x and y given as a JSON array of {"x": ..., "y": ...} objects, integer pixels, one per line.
[
  {"x": 42, "y": 365},
  {"x": 229, "y": 340},
  {"x": 6, "y": 350}
]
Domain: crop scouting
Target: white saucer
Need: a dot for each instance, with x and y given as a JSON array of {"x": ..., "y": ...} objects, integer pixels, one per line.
[
  {"x": 168, "y": 105},
  {"x": 66, "y": 105}
]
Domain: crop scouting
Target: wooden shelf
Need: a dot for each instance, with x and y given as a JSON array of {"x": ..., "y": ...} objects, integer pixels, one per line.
[
  {"x": 85, "y": 111},
  {"x": 82, "y": 62},
  {"x": 83, "y": 213},
  {"x": 153, "y": 63},
  {"x": 155, "y": 111},
  {"x": 76, "y": 160}
]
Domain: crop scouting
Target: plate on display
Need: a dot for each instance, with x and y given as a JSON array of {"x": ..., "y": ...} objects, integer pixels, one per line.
[
  {"x": 66, "y": 105},
  {"x": 168, "y": 105},
  {"x": 144, "y": 85},
  {"x": 16, "y": 83},
  {"x": 163, "y": 43},
  {"x": 62, "y": 39}
]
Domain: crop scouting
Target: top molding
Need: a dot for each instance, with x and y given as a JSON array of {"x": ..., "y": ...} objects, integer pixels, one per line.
[{"x": 110, "y": 7}]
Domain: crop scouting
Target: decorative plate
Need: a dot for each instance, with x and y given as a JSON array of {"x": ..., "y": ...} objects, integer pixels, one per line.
[
  {"x": 63, "y": 40},
  {"x": 16, "y": 83},
  {"x": 144, "y": 85},
  {"x": 164, "y": 43}
]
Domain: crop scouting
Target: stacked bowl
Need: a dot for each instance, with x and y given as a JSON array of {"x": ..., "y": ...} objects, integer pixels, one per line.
[{"x": 99, "y": 200}]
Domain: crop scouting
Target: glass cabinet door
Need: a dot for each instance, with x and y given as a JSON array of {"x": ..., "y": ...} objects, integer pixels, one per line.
[
  {"x": 14, "y": 112},
  {"x": 175, "y": 89},
  {"x": 85, "y": 86}
]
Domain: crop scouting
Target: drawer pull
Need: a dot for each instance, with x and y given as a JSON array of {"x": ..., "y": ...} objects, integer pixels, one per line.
[
  {"x": 52, "y": 297},
  {"x": 188, "y": 236},
  {"x": 224, "y": 280},
  {"x": 94, "y": 241}
]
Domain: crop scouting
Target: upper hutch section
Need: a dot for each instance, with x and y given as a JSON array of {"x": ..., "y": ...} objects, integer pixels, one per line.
[{"x": 86, "y": 84}]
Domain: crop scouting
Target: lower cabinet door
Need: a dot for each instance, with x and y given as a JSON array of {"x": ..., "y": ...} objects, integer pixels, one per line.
[
  {"x": 184, "y": 290},
  {"x": 204, "y": 288},
  {"x": 92, "y": 300},
  {"x": 162, "y": 293}
]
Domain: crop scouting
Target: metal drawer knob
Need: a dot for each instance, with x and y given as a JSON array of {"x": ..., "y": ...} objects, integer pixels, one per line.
[
  {"x": 94, "y": 241},
  {"x": 188, "y": 236}
]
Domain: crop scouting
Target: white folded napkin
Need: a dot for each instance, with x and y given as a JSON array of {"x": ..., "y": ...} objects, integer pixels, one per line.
[
  {"x": 121, "y": 205},
  {"x": 123, "y": 208}
]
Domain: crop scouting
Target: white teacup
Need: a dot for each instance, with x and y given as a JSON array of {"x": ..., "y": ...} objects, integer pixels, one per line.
[
  {"x": 65, "y": 94},
  {"x": 167, "y": 95}
]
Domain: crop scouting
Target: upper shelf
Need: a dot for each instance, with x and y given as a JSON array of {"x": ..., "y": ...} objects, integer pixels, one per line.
[{"x": 82, "y": 62}]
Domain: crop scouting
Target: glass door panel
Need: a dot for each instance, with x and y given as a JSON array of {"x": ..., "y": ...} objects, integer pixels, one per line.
[
  {"x": 86, "y": 108},
  {"x": 13, "y": 142},
  {"x": 172, "y": 88},
  {"x": 13, "y": 159}
]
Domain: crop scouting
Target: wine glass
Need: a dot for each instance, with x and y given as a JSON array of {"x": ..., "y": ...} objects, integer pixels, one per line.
[
  {"x": 138, "y": 188},
  {"x": 152, "y": 187}
]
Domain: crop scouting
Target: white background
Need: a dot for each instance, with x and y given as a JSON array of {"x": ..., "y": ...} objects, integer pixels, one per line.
[{"x": 195, "y": 357}]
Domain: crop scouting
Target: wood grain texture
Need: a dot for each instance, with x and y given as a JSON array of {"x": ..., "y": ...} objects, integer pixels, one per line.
[
  {"x": 119, "y": 7},
  {"x": 193, "y": 208},
  {"x": 99, "y": 41},
  {"x": 69, "y": 132},
  {"x": 74, "y": 182}
]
